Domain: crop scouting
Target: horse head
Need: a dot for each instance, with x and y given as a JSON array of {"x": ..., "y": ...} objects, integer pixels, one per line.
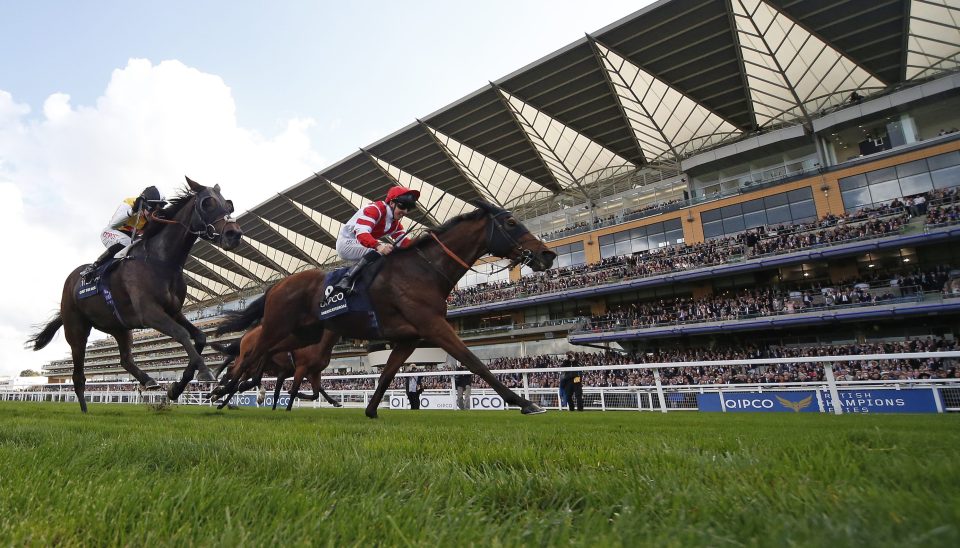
[
  {"x": 508, "y": 238},
  {"x": 210, "y": 217}
]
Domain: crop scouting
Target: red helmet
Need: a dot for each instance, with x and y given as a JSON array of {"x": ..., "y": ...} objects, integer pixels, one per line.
[{"x": 398, "y": 191}]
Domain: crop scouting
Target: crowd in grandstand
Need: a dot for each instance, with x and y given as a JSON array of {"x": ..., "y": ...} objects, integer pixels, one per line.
[
  {"x": 831, "y": 229},
  {"x": 767, "y": 301}
]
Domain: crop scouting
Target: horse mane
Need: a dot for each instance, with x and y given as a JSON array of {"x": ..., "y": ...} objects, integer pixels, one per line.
[
  {"x": 483, "y": 208},
  {"x": 173, "y": 207}
]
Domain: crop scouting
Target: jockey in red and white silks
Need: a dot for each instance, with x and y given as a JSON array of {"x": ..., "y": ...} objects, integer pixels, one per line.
[
  {"x": 359, "y": 239},
  {"x": 381, "y": 218}
]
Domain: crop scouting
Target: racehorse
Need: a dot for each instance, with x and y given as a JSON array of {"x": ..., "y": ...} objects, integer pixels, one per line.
[
  {"x": 409, "y": 297},
  {"x": 302, "y": 362},
  {"x": 148, "y": 288}
]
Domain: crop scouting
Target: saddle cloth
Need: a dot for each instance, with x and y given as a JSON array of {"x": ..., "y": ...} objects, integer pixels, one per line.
[
  {"x": 336, "y": 303},
  {"x": 98, "y": 280}
]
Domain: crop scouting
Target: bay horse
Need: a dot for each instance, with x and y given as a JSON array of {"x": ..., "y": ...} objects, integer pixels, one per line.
[
  {"x": 302, "y": 362},
  {"x": 409, "y": 297},
  {"x": 148, "y": 288}
]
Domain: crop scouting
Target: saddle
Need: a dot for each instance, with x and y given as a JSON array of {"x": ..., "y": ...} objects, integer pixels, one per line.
[{"x": 336, "y": 303}]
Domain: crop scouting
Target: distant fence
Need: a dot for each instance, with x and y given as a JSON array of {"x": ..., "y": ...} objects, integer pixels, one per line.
[{"x": 651, "y": 393}]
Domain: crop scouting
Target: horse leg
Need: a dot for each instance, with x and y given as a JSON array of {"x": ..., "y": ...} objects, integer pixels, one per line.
[
  {"x": 281, "y": 378},
  {"x": 319, "y": 391},
  {"x": 156, "y": 318},
  {"x": 401, "y": 351},
  {"x": 200, "y": 341},
  {"x": 445, "y": 337},
  {"x": 124, "y": 344},
  {"x": 76, "y": 336}
]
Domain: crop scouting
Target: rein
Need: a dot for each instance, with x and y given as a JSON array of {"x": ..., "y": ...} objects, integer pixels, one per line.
[{"x": 525, "y": 255}]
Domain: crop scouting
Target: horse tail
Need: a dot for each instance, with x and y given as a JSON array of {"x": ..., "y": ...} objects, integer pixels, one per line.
[
  {"x": 44, "y": 336},
  {"x": 238, "y": 320}
]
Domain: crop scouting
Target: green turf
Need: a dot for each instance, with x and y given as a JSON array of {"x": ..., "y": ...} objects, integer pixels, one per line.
[{"x": 128, "y": 475}]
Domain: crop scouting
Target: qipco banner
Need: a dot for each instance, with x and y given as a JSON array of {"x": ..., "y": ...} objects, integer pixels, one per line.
[
  {"x": 446, "y": 401},
  {"x": 804, "y": 401}
]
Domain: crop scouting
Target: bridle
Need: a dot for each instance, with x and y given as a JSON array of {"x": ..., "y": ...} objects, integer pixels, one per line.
[
  {"x": 199, "y": 226},
  {"x": 523, "y": 256}
]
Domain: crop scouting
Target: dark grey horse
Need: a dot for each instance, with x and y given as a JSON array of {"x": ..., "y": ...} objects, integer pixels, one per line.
[{"x": 148, "y": 288}]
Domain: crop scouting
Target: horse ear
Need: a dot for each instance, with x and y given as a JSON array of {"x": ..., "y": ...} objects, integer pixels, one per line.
[
  {"x": 216, "y": 187},
  {"x": 194, "y": 186},
  {"x": 480, "y": 204}
]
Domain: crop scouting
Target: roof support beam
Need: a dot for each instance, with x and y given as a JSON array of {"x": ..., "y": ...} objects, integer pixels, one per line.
[
  {"x": 476, "y": 184},
  {"x": 613, "y": 91},
  {"x": 306, "y": 217},
  {"x": 266, "y": 260}
]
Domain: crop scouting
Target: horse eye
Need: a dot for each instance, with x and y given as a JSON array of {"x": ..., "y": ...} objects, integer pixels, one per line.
[
  {"x": 208, "y": 203},
  {"x": 229, "y": 204},
  {"x": 511, "y": 221}
]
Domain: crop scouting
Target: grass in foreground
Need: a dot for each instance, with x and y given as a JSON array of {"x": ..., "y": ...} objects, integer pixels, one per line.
[{"x": 125, "y": 475}]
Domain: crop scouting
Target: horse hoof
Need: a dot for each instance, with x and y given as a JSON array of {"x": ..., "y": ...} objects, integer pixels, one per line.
[
  {"x": 533, "y": 409},
  {"x": 371, "y": 414},
  {"x": 152, "y": 385},
  {"x": 172, "y": 393},
  {"x": 337, "y": 404}
]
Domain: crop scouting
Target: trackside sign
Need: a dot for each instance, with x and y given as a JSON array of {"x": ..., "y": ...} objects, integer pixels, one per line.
[{"x": 915, "y": 400}]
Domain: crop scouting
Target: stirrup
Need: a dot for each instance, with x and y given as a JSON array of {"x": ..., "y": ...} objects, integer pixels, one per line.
[{"x": 345, "y": 288}]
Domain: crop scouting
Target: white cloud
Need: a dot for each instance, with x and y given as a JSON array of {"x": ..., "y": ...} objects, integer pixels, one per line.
[{"x": 63, "y": 174}]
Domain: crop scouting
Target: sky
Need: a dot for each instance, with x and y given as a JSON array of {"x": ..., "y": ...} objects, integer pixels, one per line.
[{"x": 100, "y": 99}]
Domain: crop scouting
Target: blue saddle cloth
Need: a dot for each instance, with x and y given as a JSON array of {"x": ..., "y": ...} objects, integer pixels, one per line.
[
  {"x": 98, "y": 280},
  {"x": 336, "y": 303},
  {"x": 99, "y": 284}
]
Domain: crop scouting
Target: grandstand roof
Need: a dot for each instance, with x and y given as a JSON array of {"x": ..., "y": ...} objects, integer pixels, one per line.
[{"x": 659, "y": 85}]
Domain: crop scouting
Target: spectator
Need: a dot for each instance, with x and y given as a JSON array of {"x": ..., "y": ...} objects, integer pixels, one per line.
[
  {"x": 462, "y": 384},
  {"x": 414, "y": 389},
  {"x": 571, "y": 382}
]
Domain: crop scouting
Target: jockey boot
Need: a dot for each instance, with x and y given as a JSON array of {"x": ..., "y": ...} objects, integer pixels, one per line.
[
  {"x": 91, "y": 269},
  {"x": 345, "y": 285}
]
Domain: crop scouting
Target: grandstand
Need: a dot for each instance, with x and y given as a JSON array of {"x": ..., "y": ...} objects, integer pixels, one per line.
[{"x": 743, "y": 179}]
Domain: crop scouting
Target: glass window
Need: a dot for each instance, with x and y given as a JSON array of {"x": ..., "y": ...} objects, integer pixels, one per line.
[
  {"x": 881, "y": 175},
  {"x": 944, "y": 160},
  {"x": 911, "y": 168},
  {"x": 803, "y": 211},
  {"x": 607, "y": 251},
  {"x": 606, "y": 239},
  {"x": 779, "y": 215},
  {"x": 857, "y": 181},
  {"x": 674, "y": 236},
  {"x": 712, "y": 230},
  {"x": 856, "y": 198},
  {"x": 752, "y": 206},
  {"x": 886, "y": 191},
  {"x": 800, "y": 195},
  {"x": 775, "y": 200},
  {"x": 753, "y": 220},
  {"x": 672, "y": 224},
  {"x": 729, "y": 211},
  {"x": 624, "y": 247},
  {"x": 916, "y": 184},
  {"x": 946, "y": 178},
  {"x": 710, "y": 215},
  {"x": 639, "y": 232},
  {"x": 640, "y": 244},
  {"x": 656, "y": 240},
  {"x": 577, "y": 258},
  {"x": 733, "y": 225}
]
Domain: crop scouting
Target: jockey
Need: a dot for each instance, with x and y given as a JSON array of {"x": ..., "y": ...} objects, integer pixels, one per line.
[
  {"x": 126, "y": 225},
  {"x": 359, "y": 239}
]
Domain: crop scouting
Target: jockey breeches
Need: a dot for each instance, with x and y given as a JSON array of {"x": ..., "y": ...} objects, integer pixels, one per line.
[
  {"x": 350, "y": 249},
  {"x": 110, "y": 237}
]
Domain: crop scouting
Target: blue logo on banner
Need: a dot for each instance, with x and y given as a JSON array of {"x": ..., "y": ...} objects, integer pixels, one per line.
[
  {"x": 885, "y": 400},
  {"x": 791, "y": 402}
]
